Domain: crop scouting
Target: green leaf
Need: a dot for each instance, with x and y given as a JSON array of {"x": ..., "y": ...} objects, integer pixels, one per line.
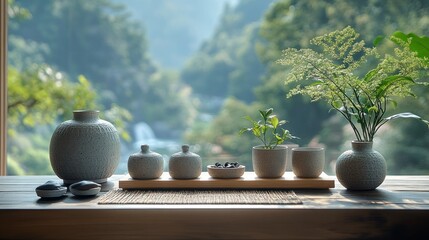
[
  {"x": 337, "y": 104},
  {"x": 266, "y": 130},
  {"x": 243, "y": 130},
  {"x": 263, "y": 114},
  {"x": 248, "y": 118},
  {"x": 316, "y": 82},
  {"x": 370, "y": 74},
  {"x": 400, "y": 35},
  {"x": 256, "y": 132},
  {"x": 373, "y": 108},
  {"x": 389, "y": 81},
  {"x": 404, "y": 115},
  {"x": 420, "y": 45},
  {"x": 377, "y": 40},
  {"x": 274, "y": 121},
  {"x": 282, "y": 122}
]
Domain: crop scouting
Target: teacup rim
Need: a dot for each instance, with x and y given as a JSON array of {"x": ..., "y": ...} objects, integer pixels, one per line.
[{"x": 308, "y": 149}]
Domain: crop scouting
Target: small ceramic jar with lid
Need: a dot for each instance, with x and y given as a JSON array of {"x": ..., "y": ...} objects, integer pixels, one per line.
[
  {"x": 185, "y": 164},
  {"x": 145, "y": 164}
]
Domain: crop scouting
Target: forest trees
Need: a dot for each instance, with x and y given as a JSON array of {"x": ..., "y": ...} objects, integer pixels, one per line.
[
  {"x": 82, "y": 54},
  {"x": 292, "y": 23},
  {"x": 98, "y": 52}
]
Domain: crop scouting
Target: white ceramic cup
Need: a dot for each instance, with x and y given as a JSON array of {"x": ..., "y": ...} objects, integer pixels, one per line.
[{"x": 308, "y": 162}]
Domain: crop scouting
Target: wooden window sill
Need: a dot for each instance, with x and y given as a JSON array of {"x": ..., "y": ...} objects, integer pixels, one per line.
[{"x": 398, "y": 208}]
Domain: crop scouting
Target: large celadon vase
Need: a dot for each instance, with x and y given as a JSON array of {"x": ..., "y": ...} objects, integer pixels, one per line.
[
  {"x": 361, "y": 168},
  {"x": 269, "y": 163},
  {"x": 84, "y": 148}
]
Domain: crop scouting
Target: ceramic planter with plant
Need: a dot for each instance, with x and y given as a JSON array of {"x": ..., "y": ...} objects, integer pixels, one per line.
[
  {"x": 269, "y": 159},
  {"x": 334, "y": 74}
]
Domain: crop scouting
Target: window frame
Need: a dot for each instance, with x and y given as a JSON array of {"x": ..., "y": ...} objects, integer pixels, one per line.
[{"x": 3, "y": 85}]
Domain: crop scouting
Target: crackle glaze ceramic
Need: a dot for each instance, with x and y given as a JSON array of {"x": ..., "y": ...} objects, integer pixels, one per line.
[
  {"x": 361, "y": 168},
  {"x": 84, "y": 148},
  {"x": 269, "y": 163},
  {"x": 185, "y": 164},
  {"x": 308, "y": 162},
  {"x": 145, "y": 164}
]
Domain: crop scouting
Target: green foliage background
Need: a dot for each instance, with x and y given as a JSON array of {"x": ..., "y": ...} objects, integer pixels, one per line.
[
  {"x": 99, "y": 55},
  {"x": 291, "y": 23}
]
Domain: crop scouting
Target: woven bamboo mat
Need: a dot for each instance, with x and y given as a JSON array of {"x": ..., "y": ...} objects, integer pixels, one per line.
[{"x": 278, "y": 197}]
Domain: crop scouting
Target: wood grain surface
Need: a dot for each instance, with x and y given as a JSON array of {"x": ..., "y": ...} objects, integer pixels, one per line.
[
  {"x": 248, "y": 181},
  {"x": 398, "y": 209}
]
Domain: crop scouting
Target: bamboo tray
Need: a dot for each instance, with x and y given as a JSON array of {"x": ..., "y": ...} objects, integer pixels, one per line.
[{"x": 248, "y": 181}]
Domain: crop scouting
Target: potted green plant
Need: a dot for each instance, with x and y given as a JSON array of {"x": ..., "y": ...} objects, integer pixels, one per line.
[
  {"x": 268, "y": 159},
  {"x": 338, "y": 74}
]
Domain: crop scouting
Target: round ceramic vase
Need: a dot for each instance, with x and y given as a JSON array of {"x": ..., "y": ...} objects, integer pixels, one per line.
[
  {"x": 185, "y": 164},
  {"x": 361, "y": 168},
  {"x": 84, "y": 148},
  {"x": 145, "y": 164},
  {"x": 269, "y": 163}
]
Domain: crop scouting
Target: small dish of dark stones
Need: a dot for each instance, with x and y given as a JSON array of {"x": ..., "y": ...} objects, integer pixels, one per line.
[
  {"x": 226, "y": 171},
  {"x": 51, "y": 189},
  {"x": 85, "y": 188}
]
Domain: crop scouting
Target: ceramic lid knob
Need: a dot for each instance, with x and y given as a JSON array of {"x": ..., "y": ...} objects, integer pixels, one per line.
[
  {"x": 185, "y": 148},
  {"x": 145, "y": 154},
  {"x": 145, "y": 148}
]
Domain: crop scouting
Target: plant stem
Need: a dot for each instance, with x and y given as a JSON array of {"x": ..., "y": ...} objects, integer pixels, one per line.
[
  {"x": 348, "y": 117},
  {"x": 265, "y": 132}
]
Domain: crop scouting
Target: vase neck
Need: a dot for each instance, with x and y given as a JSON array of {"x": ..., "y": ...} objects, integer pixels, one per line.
[
  {"x": 361, "y": 146},
  {"x": 85, "y": 115}
]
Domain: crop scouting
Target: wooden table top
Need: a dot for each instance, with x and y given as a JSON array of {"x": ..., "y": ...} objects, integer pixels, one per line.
[
  {"x": 396, "y": 192},
  {"x": 400, "y": 206}
]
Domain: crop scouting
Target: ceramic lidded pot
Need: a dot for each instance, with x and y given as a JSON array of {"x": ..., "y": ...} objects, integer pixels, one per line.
[
  {"x": 84, "y": 148},
  {"x": 145, "y": 164},
  {"x": 185, "y": 164}
]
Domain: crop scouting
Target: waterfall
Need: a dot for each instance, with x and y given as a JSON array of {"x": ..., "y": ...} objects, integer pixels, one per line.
[{"x": 143, "y": 132}]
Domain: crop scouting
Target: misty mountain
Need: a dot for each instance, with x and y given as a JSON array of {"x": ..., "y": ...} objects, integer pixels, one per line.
[{"x": 175, "y": 29}]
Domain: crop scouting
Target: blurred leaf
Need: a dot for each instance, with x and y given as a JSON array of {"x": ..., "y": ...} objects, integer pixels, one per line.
[
  {"x": 377, "y": 40},
  {"x": 275, "y": 121},
  {"x": 418, "y": 44},
  {"x": 403, "y": 115},
  {"x": 388, "y": 82}
]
